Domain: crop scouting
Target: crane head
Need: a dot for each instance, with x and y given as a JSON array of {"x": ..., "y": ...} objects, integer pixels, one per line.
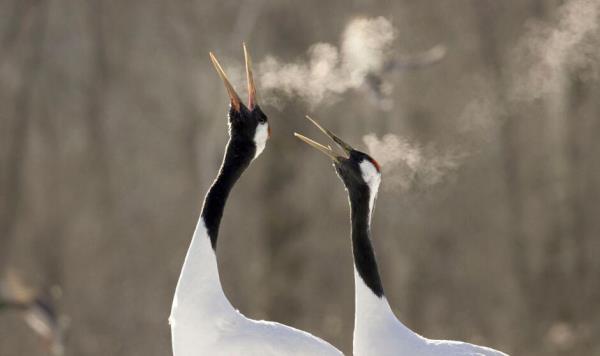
[
  {"x": 246, "y": 123},
  {"x": 357, "y": 169}
]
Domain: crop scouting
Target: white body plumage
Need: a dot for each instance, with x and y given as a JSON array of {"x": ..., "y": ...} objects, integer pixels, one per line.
[
  {"x": 203, "y": 321},
  {"x": 377, "y": 332}
]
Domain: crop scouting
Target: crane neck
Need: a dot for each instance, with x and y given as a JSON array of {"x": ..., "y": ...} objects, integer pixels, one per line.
[
  {"x": 365, "y": 263},
  {"x": 199, "y": 297},
  {"x": 238, "y": 155}
]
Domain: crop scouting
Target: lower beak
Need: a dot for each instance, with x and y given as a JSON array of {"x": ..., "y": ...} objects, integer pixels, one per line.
[{"x": 324, "y": 149}]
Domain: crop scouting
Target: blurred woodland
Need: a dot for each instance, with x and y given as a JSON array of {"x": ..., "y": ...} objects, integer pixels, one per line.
[{"x": 113, "y": 125}]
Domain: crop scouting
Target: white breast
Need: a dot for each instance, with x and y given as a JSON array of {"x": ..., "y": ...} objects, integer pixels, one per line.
[{"x": 203, "y": 322}]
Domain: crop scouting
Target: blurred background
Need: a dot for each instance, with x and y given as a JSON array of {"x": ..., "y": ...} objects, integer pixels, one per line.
[{"x": 484, "y": 115}]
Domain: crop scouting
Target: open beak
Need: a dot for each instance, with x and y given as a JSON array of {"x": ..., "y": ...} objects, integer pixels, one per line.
[
  {"x": 236, "y": 103},
  {"x": 326, "y": 149}
]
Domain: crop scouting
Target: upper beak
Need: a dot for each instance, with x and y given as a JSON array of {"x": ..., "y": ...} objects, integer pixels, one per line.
[
  {"x": 233, "y": 96},
  {"x": 250, "y": 79},
  {"x": 326, "y": 149},
  {"x": 343, "y": 145}
]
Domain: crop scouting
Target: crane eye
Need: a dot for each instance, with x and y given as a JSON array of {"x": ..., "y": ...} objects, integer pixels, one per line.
[{"x": 261, "y": 117}]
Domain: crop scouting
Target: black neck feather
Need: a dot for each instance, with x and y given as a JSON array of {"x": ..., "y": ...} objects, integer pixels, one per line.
[
  {"x": 238, "y": 155},
  {"x": 364, "y": 255}
]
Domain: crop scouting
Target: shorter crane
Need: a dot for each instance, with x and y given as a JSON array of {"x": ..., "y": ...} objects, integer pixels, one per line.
[{"x": 377, "y": 331}]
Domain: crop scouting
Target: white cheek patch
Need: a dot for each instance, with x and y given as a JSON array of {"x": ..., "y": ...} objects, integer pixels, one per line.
[
  {"x": 372, "y": 177},
  {"x": 260, "y": 137}
]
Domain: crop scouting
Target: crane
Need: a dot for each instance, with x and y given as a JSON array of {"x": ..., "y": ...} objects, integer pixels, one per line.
[
  {"x": 203, "y": 321},
  {"x": 377, "y": 331}
]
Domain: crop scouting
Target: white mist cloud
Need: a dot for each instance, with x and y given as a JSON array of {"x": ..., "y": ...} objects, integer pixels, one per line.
[
  {"x": 406, "y": 164},
  {"x": 329, "y": 70},
  {"x": 365, "y": 47},
  {"x": 539, "y": 64},
  {"x": 547, "y": 50}
]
